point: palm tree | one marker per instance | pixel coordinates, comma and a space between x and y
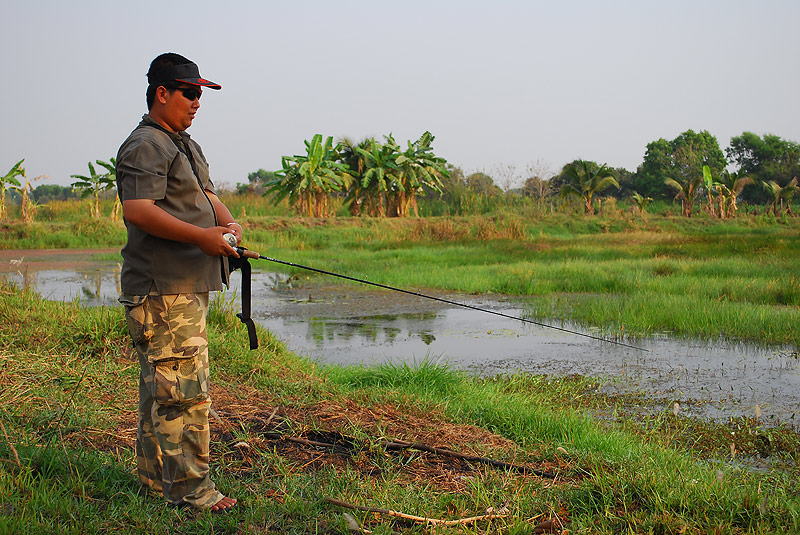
417, 169
93, 185
779, 194
688, 191
585, 179
309, 179
10, 180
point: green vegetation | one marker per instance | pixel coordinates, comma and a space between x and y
67, 409
619, 272
309, 180
629, 276
585, 179
9, 180
377, 179
95, 184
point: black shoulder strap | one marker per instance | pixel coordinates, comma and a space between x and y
243, 264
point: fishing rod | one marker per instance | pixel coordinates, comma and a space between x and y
256, 256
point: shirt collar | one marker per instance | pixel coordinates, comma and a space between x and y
180, 136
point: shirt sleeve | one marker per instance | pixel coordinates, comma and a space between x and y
142, 171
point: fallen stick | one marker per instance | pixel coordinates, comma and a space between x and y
502, 513
308, 442
402, 444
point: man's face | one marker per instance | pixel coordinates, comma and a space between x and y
179, 111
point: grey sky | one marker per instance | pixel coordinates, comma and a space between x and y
501, 82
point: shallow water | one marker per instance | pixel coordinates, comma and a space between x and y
349, 324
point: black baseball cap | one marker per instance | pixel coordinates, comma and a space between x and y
187, 73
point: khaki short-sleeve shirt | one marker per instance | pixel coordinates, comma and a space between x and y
151, 166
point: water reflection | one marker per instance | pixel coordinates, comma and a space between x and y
89, 286
375, 330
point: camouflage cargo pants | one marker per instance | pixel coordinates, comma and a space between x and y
172, 442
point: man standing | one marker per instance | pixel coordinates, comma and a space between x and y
175, 256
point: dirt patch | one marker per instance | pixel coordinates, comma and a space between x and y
321, 435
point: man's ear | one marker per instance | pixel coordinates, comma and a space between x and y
161, 94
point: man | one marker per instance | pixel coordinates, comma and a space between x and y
175, 256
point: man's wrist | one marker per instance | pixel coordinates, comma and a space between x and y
233, 223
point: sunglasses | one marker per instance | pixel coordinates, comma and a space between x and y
190, 93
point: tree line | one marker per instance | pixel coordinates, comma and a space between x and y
384, 179
380, 179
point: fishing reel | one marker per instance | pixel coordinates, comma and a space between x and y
231, 239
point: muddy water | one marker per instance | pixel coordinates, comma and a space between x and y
347, 324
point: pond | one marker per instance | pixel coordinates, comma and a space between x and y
331, 322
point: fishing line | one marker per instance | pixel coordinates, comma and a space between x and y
252, 254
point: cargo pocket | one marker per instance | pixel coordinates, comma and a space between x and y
178, 378
139, 318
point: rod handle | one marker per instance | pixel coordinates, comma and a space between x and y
247, 253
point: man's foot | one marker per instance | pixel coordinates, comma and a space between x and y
224, 505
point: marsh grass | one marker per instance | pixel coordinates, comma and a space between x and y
696, 277
699, 278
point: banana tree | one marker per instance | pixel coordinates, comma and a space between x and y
356, 164
711, 190
418, 169
93, 185
730, 187
585, 179
111, 172
779, 194
687, 191
380, 174
641, 202
9, 180
309, 179
27, 205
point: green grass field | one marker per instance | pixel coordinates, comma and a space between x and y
623, 465
68, 401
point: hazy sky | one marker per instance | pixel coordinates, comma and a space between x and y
497, 83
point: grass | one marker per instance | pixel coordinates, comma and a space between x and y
67, 405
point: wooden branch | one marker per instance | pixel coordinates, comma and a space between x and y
402, 444
314, 443
492, 514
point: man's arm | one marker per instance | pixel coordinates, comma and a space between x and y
224, 217
150, 218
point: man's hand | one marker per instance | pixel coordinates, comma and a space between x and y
212, 243
235, 229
